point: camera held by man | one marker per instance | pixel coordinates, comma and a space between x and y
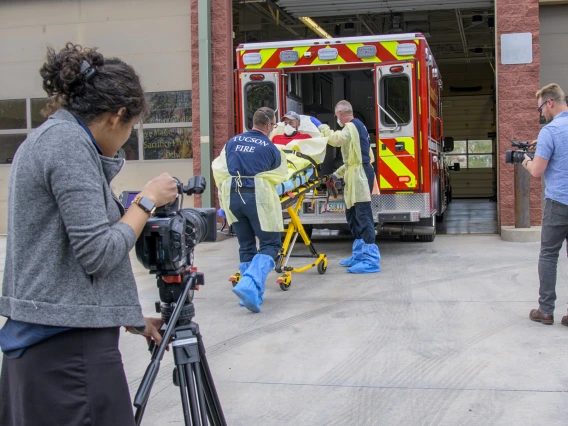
517, 156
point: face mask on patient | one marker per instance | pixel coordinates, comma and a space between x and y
289, 130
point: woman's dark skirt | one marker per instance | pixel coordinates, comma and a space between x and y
75, 378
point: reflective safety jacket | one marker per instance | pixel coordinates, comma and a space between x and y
356, 183
267, 200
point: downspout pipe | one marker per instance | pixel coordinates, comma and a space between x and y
205, 100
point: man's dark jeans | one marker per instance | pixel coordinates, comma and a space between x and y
360, 216
554, 232
248, 229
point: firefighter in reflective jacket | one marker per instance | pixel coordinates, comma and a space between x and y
246, 173
359, 177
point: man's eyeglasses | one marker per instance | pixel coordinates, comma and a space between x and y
274, 125
539, 109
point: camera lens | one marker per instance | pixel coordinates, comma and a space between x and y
196, 226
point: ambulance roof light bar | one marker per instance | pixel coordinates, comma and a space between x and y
310, 23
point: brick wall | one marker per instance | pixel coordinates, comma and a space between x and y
516, 111
221, 79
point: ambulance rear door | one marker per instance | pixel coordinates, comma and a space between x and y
259, 89
397, 118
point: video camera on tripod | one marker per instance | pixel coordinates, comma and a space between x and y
165, 247
517, 156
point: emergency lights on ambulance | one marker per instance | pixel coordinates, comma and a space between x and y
406, 49
308, 54
289, 56
366, 51
327, 54
396, 69
252, 58
435, 73
257, 77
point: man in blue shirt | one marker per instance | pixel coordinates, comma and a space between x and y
248, 156
551, 160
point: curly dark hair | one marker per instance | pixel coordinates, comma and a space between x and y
114, 85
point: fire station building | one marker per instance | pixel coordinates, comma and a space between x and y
492, 55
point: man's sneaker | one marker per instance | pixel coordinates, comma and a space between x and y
564, 321
538, 316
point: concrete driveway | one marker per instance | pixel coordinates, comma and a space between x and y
440, 337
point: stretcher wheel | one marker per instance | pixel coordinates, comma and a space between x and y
285, 281
234, 279
321, 268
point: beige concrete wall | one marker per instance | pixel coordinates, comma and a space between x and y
554, 45
153, 36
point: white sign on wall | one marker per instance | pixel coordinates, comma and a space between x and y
516, 48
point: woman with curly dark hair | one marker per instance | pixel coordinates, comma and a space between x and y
68, 282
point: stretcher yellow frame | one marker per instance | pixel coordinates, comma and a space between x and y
293, 202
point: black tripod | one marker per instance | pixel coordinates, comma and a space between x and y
198, 395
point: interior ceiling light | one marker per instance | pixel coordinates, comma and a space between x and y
310, 23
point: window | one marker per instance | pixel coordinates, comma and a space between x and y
13, 127
258, 95
166, 134
395, 99
129, 150
472, 154
167, 144
8, 146
37, 105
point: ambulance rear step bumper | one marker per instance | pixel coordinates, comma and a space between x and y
395, 229
399, 216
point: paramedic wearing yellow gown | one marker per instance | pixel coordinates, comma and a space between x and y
359, 177
246, 173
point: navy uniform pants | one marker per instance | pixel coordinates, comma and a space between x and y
248, 228
360, 216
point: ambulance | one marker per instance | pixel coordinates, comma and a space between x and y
394, 85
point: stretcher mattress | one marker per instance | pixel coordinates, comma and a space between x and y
295, 181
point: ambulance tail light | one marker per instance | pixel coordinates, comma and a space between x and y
404, 179
396, 69
257, 77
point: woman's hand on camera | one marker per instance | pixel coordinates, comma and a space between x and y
161, 190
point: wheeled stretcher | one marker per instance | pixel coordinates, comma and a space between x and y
305, 181
292, 192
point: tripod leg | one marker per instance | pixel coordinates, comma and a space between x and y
192, 395
199, 387
213, 404
181, 372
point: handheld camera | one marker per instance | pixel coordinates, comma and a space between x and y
517, 156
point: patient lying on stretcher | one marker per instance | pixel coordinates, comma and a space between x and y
300, 169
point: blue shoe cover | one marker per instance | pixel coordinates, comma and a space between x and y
243, 266
369, 261
241, 303
356, 254
250, 288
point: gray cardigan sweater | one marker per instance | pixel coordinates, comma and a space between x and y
67, 261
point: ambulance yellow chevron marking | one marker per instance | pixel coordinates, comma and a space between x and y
265, 54
301, 51
384, 183
353, 47
398, 167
